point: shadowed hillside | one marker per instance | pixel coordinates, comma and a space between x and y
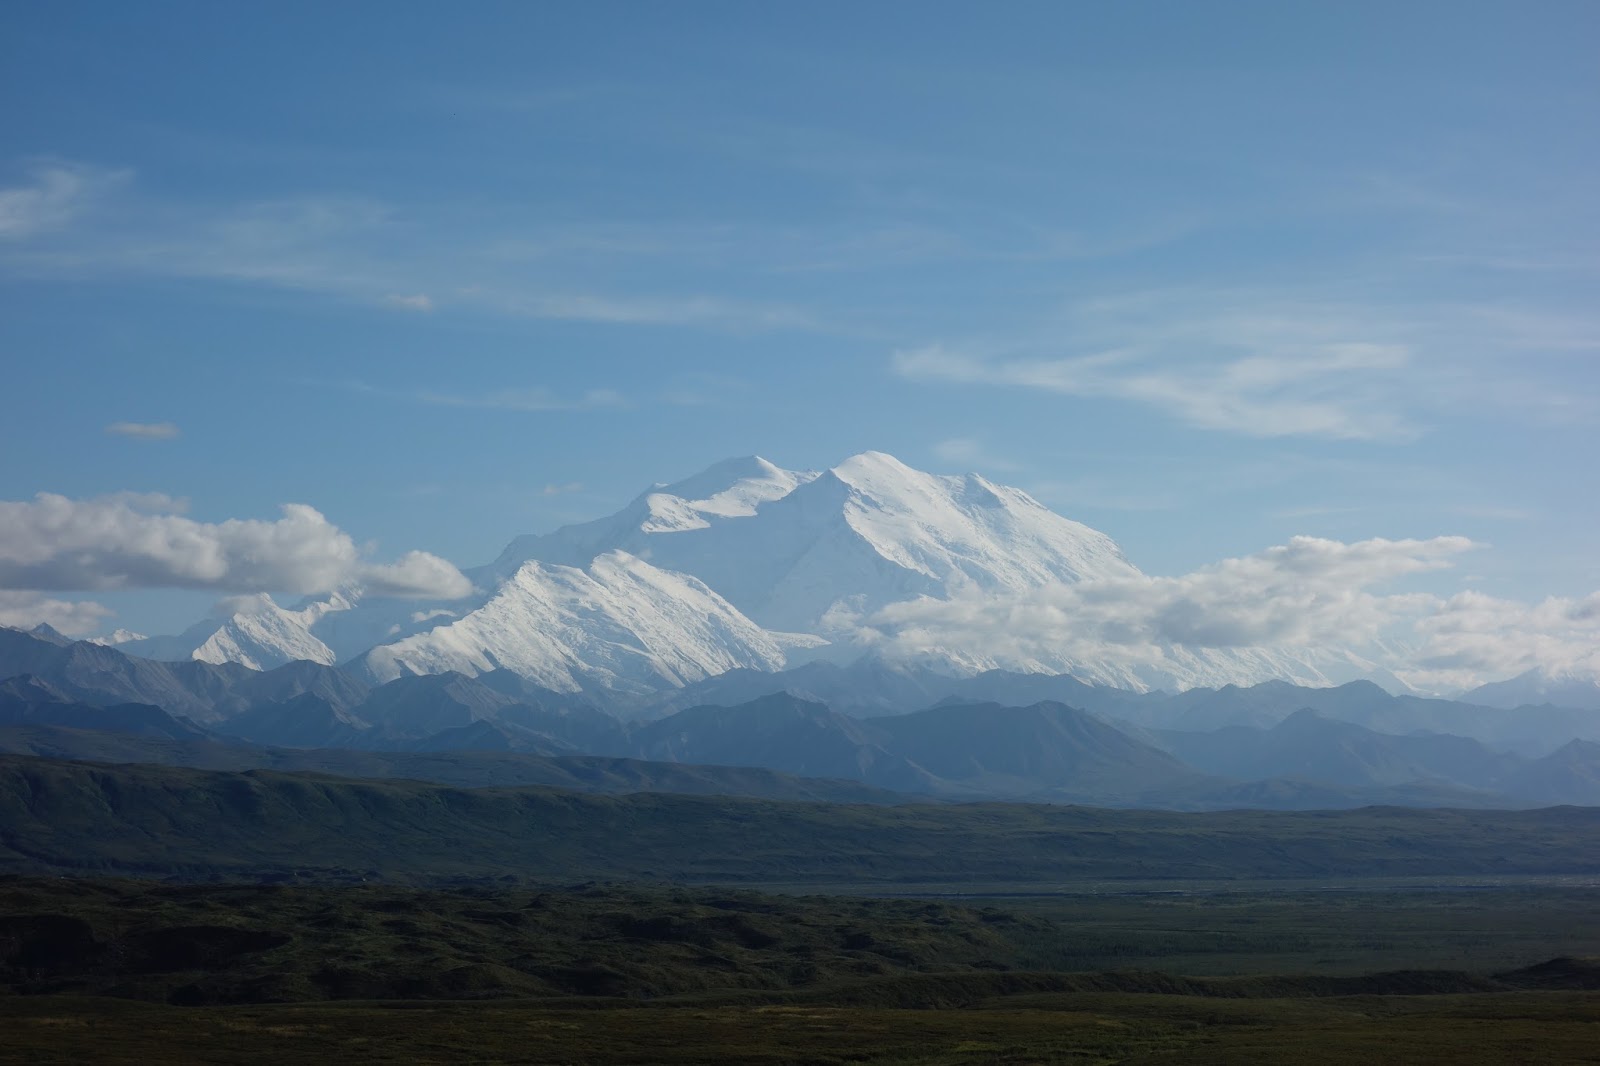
464, 769
76, 817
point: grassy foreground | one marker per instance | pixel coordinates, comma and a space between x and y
1090, 1028
233, 944
128, 971
208, 944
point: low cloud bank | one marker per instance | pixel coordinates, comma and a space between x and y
1307, 596
24, 610
1470, 634
144, 541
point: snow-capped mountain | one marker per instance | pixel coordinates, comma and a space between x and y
254, 632
734, 488
795, 551
621, 624
259, 633
1166, 666
117, 637
747, 565
1576, 687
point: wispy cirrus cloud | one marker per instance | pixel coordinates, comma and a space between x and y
532, 398
689, 310
417, 301
1495, 512
1314, 392
1279, 364
144, 430
349, 248
55, 194
698, 390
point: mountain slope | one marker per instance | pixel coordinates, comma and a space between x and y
1533, 731
1309, 746
1571, 688
787, 549
869, 687
206, 692
1570, 774
621, 625
733, 488
160, 821
26, 701
863, 689
462, 769
303, 721
1044, 750
260, 635
784, 733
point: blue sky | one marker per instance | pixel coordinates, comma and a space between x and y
1204, 277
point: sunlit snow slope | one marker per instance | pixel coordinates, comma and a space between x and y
621, 624
869, 532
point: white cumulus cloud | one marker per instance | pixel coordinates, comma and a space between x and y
128, 541
1472, 635
1308, 593
24, 610
416, 574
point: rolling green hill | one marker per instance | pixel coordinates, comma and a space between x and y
255, 943
462, 769
63, 817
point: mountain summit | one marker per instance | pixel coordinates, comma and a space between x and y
795, 550
733, 488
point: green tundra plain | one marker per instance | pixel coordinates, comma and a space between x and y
163, 914
127, 971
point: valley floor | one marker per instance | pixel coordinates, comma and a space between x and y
117, 971
1509, 1028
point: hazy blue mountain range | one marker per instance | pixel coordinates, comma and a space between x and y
65, 817
1196, 750
1539, 687
869, 689
471, 769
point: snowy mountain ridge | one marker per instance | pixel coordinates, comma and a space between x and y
258, 634
792, 549
620, 624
